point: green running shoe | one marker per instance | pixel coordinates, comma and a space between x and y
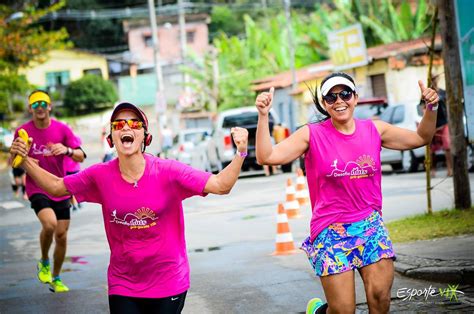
44, 273
313, 305
57, 286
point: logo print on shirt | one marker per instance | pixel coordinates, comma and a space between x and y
42, 150
143, 218
363, 167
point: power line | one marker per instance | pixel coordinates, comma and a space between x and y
171, 9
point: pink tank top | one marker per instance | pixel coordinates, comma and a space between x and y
343, 173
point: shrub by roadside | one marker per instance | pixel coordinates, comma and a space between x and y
439, 224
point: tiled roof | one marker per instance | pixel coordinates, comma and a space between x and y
323, 68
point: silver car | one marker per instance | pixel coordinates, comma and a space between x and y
186, 146
407, 115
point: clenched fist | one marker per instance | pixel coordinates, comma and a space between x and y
240, 137
264, 102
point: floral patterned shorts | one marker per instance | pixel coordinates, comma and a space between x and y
346, 246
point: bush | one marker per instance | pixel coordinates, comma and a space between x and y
89, 94
18, 105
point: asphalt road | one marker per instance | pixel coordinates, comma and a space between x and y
229, 238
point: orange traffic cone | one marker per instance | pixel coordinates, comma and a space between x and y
302, 194
284, 240
291, 206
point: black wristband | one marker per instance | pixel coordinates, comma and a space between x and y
70, 152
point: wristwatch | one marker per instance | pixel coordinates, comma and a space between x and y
69, 152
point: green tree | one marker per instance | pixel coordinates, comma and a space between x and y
88, 94
22, 41
264, 48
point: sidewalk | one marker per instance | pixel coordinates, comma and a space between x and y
447, 260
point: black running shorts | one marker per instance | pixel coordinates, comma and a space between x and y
62, 209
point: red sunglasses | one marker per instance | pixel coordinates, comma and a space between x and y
120, 124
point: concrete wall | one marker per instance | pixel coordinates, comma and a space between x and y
169, 44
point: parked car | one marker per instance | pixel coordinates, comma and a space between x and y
6, 139
221, 149
370, 108
185, 147
407, 115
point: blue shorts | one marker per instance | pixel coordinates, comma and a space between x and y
347, 246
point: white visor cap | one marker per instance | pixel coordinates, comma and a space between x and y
334, 81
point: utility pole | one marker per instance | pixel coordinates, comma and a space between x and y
156, 47
454, 95
291, 47
183, 41
215, 81
160, 102
429, 82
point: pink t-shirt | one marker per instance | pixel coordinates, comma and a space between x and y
56, 132
343, 173
144, 225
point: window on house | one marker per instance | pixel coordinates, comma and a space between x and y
56, 79
190, 37
379, 89
148, 40
97, 72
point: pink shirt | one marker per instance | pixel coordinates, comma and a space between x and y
144, 225
56, 132
343, 173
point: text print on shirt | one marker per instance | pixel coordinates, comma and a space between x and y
143, 218
42, 150
363, 167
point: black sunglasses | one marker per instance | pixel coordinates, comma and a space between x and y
331, 98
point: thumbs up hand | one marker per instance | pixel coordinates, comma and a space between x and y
429, 95
264, 102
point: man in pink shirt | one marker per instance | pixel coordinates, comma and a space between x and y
141, 197
53, 141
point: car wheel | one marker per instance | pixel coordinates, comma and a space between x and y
409, 161
218, 167
397, 167
287, 168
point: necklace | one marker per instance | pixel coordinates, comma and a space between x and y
135, 180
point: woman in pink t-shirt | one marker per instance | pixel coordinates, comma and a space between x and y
342, 159
141, 197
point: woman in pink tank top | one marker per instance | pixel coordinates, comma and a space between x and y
342, 159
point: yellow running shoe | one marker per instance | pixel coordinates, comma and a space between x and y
57, 286
44, 273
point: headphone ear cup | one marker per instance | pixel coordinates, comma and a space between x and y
109, 140
148, 138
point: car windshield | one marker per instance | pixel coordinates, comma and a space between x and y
367, 111
245, 118
194, 137
386, 115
